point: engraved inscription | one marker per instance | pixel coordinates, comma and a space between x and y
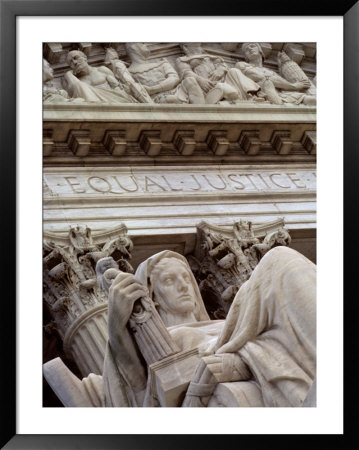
162, 181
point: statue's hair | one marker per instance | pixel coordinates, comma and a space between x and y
245, 45
131, 47
162, 264
111, 51
71, 52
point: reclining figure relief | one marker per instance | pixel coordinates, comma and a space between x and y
275, 88
160, 79
93, 84
196, 76
164, 351
219, 82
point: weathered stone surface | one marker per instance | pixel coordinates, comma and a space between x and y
273, 316
161, 136
191, 74
224, 259
291, 87
77, 305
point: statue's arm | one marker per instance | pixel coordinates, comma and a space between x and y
220, 71
250, 71
171, 81
278, 82
69, 82
282, 83
110, 77
124, 291
214, 369
186, 71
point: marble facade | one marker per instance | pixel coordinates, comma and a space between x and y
142, 144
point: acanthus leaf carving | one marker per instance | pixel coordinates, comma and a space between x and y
224, 259
70, 282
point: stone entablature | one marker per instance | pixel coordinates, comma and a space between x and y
117, 134
163, 201
144, 181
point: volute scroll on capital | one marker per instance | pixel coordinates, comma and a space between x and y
70, 283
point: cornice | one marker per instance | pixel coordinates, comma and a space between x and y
93, 135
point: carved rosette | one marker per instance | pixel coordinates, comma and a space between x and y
77, 305
224, 259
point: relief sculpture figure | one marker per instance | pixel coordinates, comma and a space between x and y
262, 354
274, 87
50, 93
160, 79
93, 84
217, 80
120, 70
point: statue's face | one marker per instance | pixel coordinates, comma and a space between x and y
252, 51
139, 49
48, 71
77, 61
173, 289
111, 54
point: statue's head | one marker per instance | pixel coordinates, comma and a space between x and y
110, 55
173, 290
282, 58
137, 50
172, 286
252, 50
47, 71
192, 48
77, 60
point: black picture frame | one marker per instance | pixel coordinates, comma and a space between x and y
9, 10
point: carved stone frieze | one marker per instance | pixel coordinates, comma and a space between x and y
183, 73
224, 259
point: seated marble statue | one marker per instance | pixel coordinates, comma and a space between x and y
217, 80
263, 354
160, 79
274, 87
93, 84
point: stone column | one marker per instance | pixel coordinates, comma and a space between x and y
86, 340
76, 303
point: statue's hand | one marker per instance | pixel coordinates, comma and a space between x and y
207, 349
205, 85
226, 367
302, 85
152, 90
123, 293
218, 74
